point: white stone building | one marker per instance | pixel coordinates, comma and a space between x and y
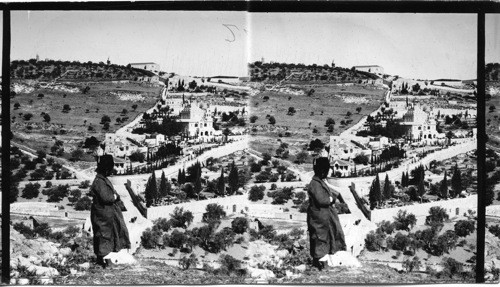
345, 149
342, 167
121, 147
421, 126
198, 123
148, 66
374, 69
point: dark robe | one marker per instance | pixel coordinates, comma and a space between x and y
325, 232
110, 231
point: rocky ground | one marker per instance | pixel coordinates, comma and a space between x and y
39, 261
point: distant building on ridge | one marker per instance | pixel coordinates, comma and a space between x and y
374, 69
148, 66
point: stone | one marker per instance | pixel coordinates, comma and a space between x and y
85, 265
341, 258
282, 253
45, 281
23, 281
23, 261
301, 268
121, 257
43, 271
65, 251
261, 273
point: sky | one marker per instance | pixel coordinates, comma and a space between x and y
188, 43
492, 38
425, 46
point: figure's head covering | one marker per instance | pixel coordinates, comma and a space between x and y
321, 164
105, 164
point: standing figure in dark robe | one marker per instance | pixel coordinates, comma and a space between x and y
325, 232
108, 225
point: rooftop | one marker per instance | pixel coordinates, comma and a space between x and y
145, 63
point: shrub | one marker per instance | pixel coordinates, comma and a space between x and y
495, 230
161, 224
273, 186
181, 218
303, 207
150, 238
386, 227
445, 243
26, 231
296, 233
43, 230
31, 191
464, 227
137, 156
239, 225
27, 116
83, 203
84, 184
256, 193
374, 241
361, 159
214, 213
75, 195
177, 239
301, 196
404, 220
255, 167
186, 262
229, 264
436, 215
48, 184
413, 264
221, 240
451, 267
267, 232
401, 241
57, 193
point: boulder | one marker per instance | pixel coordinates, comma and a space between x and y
282, 253
261, 273
85, 265
341, 258
300, 268
43, 271
121, 257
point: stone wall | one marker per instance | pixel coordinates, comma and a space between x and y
233, 205
454, 207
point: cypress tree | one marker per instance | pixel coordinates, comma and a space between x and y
403, 179
456, 182
387, 188
163, 185
421, 187
375, 195
182, 179
197, 181
179, 176
151, 192
233, 179
220, 183
443, 189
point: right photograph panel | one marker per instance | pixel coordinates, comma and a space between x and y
492, 77
363, 131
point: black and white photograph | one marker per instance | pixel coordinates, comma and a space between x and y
242, 147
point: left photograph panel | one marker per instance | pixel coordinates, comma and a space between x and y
129, 147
